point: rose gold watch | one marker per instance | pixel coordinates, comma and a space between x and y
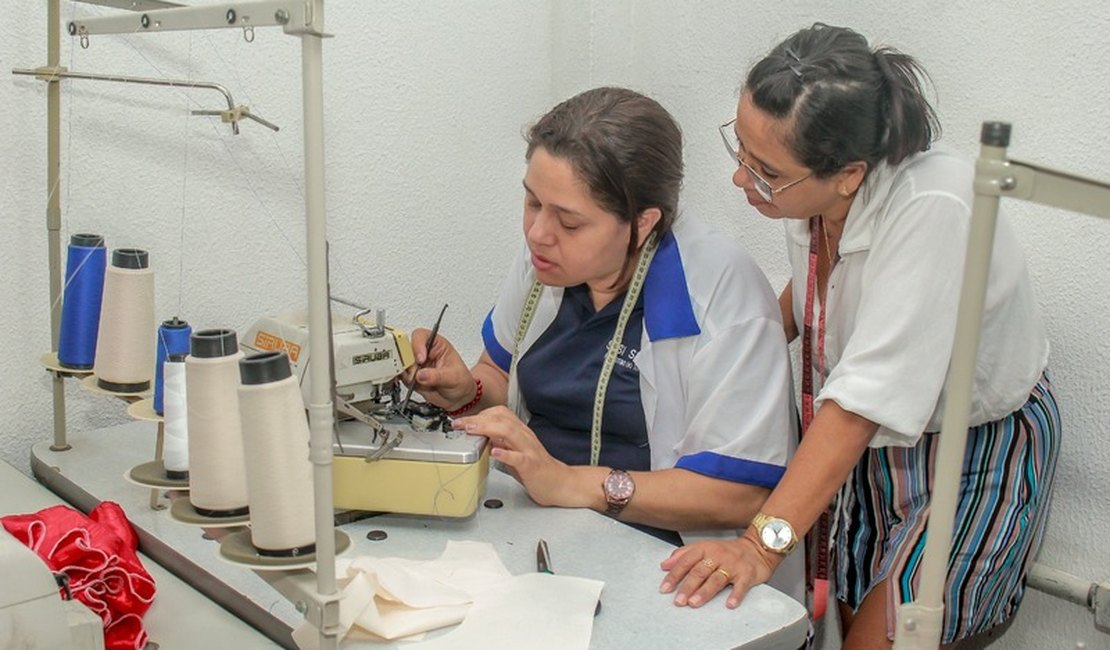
618, 487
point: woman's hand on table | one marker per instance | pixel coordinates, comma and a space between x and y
701, 570
544, 477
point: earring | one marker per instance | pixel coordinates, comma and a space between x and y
844, 192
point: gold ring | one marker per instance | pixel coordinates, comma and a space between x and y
726, 574
709, 564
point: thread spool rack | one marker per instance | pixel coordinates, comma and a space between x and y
140, 406
304, 21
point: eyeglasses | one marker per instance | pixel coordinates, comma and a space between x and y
761, 185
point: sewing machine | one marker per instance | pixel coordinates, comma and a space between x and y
32, 615
385, 460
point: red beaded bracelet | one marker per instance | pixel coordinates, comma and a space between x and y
471, 404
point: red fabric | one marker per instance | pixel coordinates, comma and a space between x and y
98, 554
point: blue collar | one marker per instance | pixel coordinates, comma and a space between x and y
668, 312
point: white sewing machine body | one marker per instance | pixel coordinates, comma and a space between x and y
369, 357
32, 613
384, 460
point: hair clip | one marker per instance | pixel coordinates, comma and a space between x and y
794, 67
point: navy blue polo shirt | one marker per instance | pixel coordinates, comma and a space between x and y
558, 378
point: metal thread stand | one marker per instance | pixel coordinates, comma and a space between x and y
52, 74
919, 622
233, 114
306, 20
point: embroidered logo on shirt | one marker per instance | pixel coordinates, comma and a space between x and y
626, 356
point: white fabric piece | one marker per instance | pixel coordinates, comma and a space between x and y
537, 611
394, 598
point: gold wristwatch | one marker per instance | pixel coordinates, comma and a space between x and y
774, 534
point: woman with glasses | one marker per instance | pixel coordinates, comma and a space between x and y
634, 360
834, 138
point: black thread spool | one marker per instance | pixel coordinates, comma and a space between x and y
217, 482
275, 441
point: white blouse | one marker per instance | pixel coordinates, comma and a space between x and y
893, 296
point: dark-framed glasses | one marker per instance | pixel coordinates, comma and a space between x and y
761, 185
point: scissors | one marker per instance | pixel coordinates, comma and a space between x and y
543, 565
543, 558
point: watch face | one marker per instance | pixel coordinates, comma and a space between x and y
776, 534
619, 486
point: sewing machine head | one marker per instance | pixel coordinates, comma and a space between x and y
369, 357
384, 459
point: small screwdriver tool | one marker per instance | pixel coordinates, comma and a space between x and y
428, 348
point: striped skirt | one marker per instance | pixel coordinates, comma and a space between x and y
1006, 484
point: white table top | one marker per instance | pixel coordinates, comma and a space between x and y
582, 543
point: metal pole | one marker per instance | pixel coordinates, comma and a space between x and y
1055, 582
232, 114
54, 212
919, 623
177, 83
321, 420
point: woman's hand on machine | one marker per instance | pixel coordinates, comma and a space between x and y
441, 375
544, 477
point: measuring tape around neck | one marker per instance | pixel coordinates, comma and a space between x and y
647, 252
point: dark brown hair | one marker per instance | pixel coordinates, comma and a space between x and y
624, 146
846, 101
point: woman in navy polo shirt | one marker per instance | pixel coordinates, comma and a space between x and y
634, 362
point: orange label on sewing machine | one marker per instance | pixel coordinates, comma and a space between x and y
264, 341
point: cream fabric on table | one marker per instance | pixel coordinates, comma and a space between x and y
535, 610
396, 598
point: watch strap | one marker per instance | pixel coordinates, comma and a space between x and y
761, 520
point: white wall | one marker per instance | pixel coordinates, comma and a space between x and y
424, 112
425, 105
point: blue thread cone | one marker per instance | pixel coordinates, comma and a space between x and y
173, 338
86, 263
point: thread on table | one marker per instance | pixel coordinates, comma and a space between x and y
175, 449
86, 263
124, 345
173, 338
217, 481
276, 443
